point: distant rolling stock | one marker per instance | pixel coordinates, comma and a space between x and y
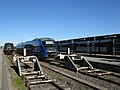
104, 45
8, 48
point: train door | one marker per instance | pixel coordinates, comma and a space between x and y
117, 46
90, 48
73, 47
109, 46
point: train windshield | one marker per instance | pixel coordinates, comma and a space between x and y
49, 42
50, 45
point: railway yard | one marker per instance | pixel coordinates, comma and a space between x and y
60, 45
73, 72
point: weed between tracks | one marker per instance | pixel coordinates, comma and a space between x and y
17, 82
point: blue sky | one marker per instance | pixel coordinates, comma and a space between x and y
22, 20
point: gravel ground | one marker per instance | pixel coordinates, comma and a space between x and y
43, 87
66, 81
99, 82
74, 85
16, 81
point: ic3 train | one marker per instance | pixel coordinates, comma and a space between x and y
40, 47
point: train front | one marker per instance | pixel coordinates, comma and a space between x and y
51, 48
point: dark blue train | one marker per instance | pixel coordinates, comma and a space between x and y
40, 47
106, 45
8, 48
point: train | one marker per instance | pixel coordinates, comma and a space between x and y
8, 48
43, 48
108, 45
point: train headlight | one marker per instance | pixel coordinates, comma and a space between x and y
34, 60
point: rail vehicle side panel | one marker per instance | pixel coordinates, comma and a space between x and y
108, 45
39, 48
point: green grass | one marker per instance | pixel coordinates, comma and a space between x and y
18, 82
110, 78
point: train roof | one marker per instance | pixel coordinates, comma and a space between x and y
44, 39
9, 44
92, 38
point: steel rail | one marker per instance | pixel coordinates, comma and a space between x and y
102, 78
33, 83
92, 85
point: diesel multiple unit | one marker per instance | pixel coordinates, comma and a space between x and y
40, 47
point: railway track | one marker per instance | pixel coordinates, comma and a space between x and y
90, 86
111, 78
88, 69
35, 82
35, 79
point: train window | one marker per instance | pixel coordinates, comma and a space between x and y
9, 46
106, 40
83, 45
118, 45
49, 42
102, 45
29, 47
65, 45
77, 45
36, 43
90, 44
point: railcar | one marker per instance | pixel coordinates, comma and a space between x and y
101, 45
40, 47
8, 48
